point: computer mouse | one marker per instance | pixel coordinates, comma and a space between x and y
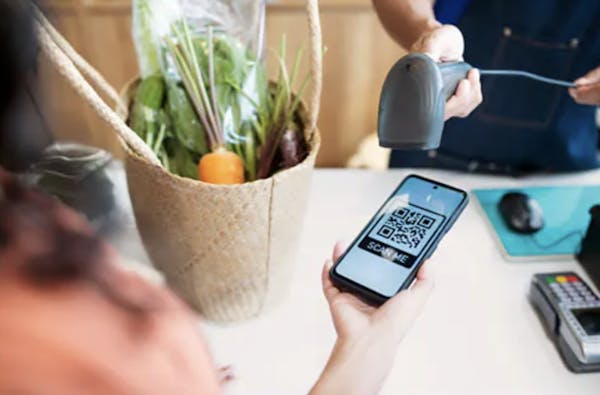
521, 213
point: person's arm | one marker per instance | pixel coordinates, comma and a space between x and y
406, 20
367, 336
413, 25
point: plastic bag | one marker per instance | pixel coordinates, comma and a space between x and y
242, 19
151, 19
235, 28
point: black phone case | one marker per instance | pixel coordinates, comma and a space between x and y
371, 297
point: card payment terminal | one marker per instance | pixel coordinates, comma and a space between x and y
570, 312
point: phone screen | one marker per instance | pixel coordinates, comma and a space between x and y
394, 242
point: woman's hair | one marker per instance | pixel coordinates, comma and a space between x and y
50, 244
23, 134
18, 48
42, 238
47, 241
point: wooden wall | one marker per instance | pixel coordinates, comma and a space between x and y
359, 53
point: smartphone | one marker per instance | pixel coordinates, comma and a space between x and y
405, 231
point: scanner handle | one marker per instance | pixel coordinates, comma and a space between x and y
452, 74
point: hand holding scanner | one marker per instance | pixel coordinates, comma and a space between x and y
413, 99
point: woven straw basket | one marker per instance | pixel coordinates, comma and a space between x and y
228, 250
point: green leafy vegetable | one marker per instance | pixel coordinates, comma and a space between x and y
216, 96
283, 105
181, 160
146, 48
186, 126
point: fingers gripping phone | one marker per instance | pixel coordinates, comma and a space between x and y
405, 231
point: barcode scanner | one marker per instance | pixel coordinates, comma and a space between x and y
414, 95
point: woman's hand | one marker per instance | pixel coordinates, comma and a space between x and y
353, 318
367, 336
588, 88
445, 43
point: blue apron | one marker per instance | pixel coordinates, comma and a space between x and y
522, 125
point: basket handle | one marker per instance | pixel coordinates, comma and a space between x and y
82, 65
71, 65
316, 64
67, 67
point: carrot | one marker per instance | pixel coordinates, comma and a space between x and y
221, 167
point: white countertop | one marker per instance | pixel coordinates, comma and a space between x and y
478, 334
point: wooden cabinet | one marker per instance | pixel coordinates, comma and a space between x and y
358, 55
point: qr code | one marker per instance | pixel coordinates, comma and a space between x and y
406, 227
